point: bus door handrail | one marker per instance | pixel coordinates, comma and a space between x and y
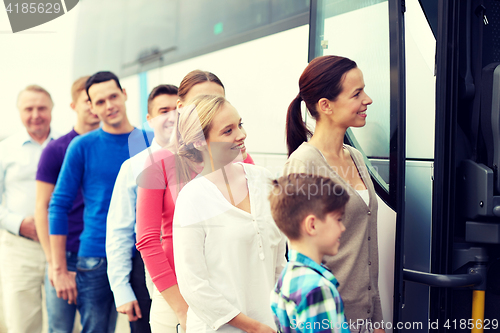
443, 280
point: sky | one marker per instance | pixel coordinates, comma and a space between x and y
41, 55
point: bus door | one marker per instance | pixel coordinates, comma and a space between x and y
466, 203
371, 33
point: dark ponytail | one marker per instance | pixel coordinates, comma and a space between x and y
296, 130
322, 78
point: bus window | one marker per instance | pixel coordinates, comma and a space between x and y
359, 30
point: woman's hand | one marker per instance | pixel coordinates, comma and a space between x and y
249, 325
378, 330
182, 316
174, 298
262, 328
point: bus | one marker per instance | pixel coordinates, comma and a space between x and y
432, 133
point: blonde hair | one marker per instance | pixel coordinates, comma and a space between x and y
35, 88
193, 125
77, 87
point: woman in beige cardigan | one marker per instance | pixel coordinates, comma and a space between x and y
332, 88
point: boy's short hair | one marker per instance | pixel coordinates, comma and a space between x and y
77, 87
162, 89
298, 195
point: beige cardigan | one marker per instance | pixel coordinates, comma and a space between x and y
356, 264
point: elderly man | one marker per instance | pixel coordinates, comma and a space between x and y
22, 260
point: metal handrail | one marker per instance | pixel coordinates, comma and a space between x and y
443, 280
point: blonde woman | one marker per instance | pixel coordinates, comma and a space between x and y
155, 209
227, 249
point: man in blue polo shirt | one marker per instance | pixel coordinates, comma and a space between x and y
92, 162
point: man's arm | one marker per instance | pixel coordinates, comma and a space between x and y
65, 192
43, 193
120, 241
8, 220
64, 281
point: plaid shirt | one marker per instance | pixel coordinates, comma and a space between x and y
305, 298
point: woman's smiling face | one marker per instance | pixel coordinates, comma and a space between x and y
349, 108
226, 138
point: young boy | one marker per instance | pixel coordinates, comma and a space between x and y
308, 210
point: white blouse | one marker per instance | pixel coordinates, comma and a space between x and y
226, 260
364, 195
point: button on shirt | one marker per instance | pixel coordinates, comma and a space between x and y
306, 299
19, 156
226, 260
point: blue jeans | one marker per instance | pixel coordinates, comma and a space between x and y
95, 300
61, 315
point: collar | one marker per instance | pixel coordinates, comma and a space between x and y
155, 145
303, 260
24, 137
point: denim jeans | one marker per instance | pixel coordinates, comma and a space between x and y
95, 300
61, 315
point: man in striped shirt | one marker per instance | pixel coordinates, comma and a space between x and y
308, 210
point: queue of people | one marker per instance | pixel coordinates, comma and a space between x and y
178, 229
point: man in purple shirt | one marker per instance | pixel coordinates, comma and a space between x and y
61, 313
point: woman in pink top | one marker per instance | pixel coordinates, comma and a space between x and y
156, 194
